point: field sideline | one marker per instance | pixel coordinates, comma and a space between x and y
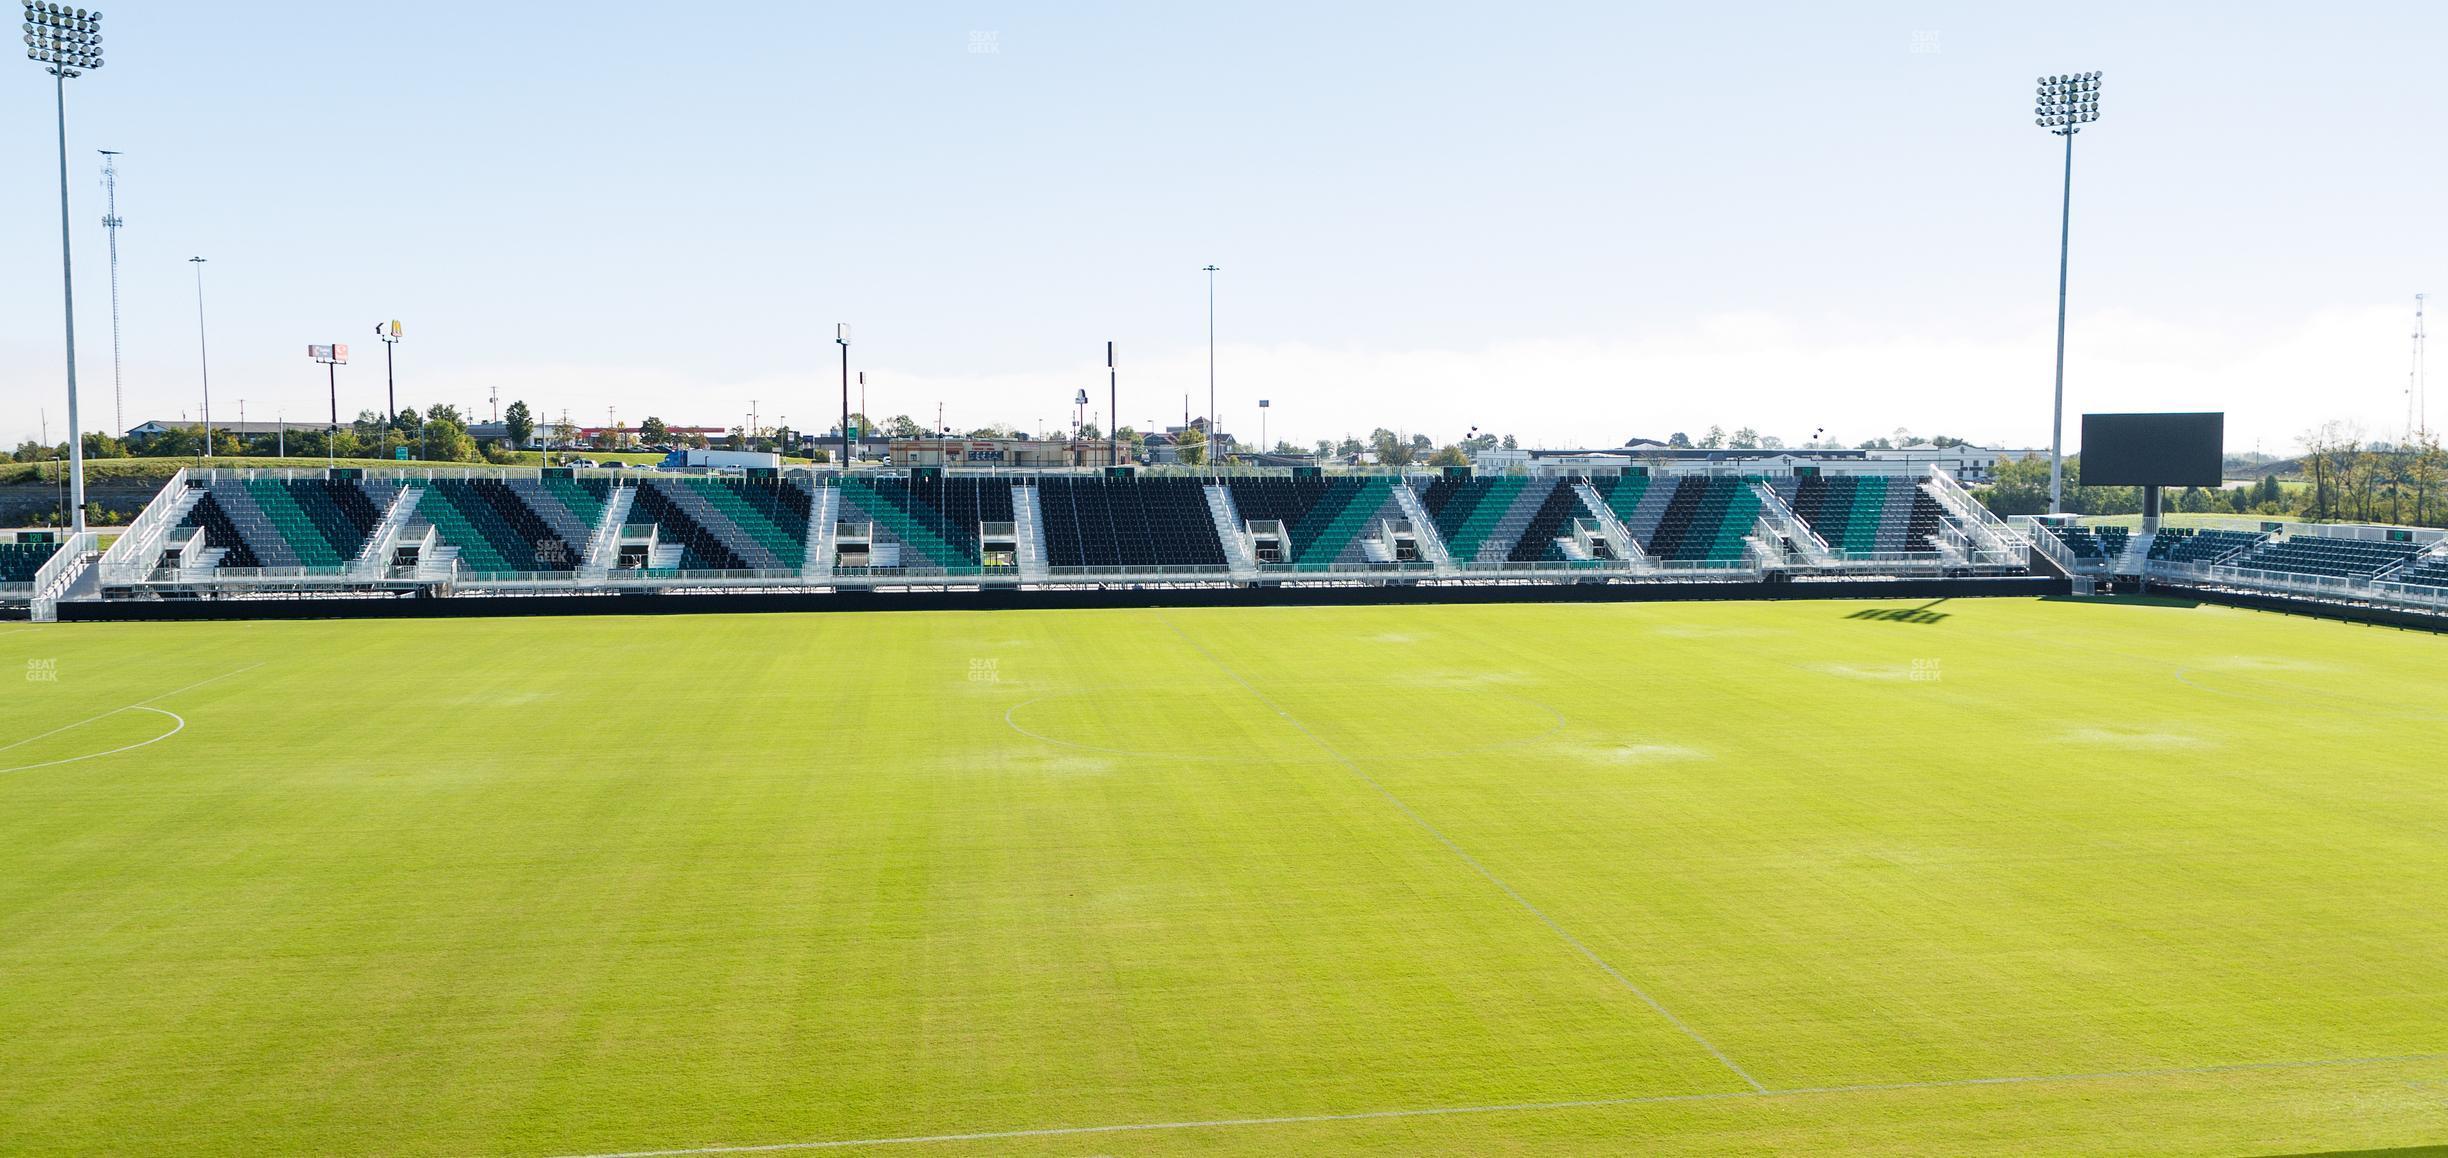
2001, 876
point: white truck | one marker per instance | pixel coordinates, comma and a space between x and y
713, 459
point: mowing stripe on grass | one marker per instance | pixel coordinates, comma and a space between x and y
1519, 1107
1579, 945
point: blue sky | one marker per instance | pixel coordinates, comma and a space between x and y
1576, 223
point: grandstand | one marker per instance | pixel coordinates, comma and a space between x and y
283, 534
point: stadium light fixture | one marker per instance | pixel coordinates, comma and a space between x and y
66, 42
2063, 105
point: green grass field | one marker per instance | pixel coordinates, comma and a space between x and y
2006, 877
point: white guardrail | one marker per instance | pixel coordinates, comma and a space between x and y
58, 572
123, 562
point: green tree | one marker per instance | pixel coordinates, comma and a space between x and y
1191, 447
1714, 439
1746, 438
1449, 456
904, 426
520, 423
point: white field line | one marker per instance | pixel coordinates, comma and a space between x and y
1578, 945
1518, 1107
140, 705
175, 729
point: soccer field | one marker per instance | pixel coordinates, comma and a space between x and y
2001, 876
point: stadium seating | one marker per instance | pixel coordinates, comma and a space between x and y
572, 507
701, 549
2188, 545
220, 531
1537, 542
2102, 543
1128, 522
762, 523
1486, 519
1323, 517
318, 523
934, 519
493, 529
1869, 513
1707, 520
19, 561
2428, 571
2327, 557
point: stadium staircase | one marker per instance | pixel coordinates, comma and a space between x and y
1239, 560
1028, 532
1780, 524
603, 542
1991, 541
68, 570
138, 551
2136, 556
1619, 537
1425, 537
824, 507
375, 557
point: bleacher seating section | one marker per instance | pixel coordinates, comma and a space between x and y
1128, 522
2105, 542
1707, 520
315, 523
758, 524
1323, 516
220, 532
495, 531
1867, 513
934, 519
1488, 518
1538, 542
2428, 571
2190, 545
19, 561
2323, 556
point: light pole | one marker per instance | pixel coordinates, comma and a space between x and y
2063, 105
1113, 412
203, 358
110, 225
67, 42
841, 334
390, 335
332, 357
1212, 425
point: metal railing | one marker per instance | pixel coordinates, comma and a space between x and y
130, 558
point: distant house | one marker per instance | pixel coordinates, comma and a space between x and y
156, 427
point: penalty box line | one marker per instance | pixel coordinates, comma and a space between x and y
1519, 1107
1484, 872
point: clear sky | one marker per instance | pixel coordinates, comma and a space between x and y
1573, 223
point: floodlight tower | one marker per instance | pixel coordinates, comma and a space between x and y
2063, 105
110, 225
1210, 270
67, 42
2418, 410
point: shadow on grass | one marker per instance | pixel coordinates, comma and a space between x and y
1921, 614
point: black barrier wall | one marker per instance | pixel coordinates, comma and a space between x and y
998, 599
